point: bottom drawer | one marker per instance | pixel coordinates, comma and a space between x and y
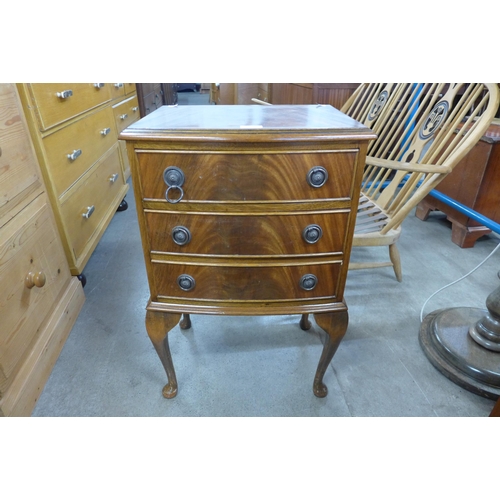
28, 244
86, 206
245, 283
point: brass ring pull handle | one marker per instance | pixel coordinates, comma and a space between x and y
170, 200
174, 179
186, 282
35, 279
181, 235
312, 233
317, 176
308, 282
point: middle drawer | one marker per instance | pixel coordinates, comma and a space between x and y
221, 234
74, 149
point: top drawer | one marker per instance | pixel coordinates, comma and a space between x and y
250, 177
126, 112
58, 102
117, 90
129, 88
121, 89
19, 175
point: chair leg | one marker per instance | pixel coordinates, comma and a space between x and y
396, 261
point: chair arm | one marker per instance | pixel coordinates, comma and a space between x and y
408, 167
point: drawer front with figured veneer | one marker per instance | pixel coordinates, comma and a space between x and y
266, 234
243, 281
249, 177
72, 150
57, 102
33, 272
85, 207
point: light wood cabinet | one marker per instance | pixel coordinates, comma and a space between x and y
75, 129
39, 299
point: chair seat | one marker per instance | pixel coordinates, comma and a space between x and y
370, 220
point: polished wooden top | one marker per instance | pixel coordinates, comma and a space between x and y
247, 120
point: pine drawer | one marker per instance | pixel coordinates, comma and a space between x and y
72, 150
88, 203
57, 102
19, 175
30, 244
126, 113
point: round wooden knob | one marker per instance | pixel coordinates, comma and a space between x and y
35, 279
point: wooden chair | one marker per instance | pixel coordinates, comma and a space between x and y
423, 131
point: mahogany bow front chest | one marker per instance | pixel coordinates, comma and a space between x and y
246, 210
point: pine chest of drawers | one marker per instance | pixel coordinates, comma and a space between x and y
246, 210
75, 129
39, 299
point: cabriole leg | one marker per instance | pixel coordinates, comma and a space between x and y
335, 325
305, 324
185, 322
158, 324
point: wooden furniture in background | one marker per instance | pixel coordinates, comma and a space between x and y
153, 95
246, 210
239, 93
39, 299
75, 129
475, 183
423, 130
335, 94
496, 409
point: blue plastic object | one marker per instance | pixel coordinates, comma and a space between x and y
485, 221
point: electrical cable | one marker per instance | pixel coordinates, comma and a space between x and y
456, 281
